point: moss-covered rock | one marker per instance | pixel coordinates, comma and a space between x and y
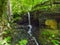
49, 37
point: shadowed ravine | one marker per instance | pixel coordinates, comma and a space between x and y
30, 25
30, 28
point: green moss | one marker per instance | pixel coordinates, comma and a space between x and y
49, 36
23, 42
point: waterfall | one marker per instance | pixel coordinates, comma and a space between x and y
29, 25
29, 18
30, 28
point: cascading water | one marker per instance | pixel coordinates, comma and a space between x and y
30, 28
29, 25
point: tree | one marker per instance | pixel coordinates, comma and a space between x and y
26, 5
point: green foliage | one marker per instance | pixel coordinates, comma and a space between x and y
5, 41
21, 6
3, 6
49, 37
16, 17
6, 32
55, 42
8, 39
26, 5
23, 42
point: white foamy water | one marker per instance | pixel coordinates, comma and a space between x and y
30, 28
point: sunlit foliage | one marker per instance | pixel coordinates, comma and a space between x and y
23, 42
51, 23
26, 5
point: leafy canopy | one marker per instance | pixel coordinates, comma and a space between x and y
24, 5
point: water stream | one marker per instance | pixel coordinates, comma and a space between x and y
30, 28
